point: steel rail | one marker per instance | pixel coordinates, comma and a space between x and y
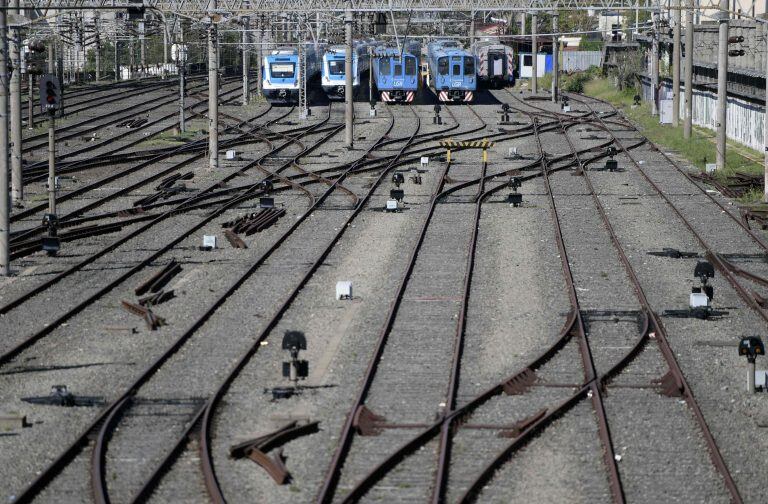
50, 472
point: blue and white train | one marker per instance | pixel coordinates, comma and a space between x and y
452, 71
396, 72
332, 76
280, 73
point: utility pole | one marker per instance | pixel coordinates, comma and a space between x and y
5, 206
349, 110
302, 69
259, 54
98, 45
17, 184
181, 61
132, 57
765, 130
655, 66
523, 15
555, 58
676, 65
246, 60
30, 101
471, 29
51, 161
117, 60
213, 94
722, 82
534, 54
143, 49
688, 124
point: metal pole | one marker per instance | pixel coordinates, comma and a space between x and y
655, 66
472, 29
370, 76
246, 61
213, 97
181, 59
51, 143
260, 35
143, 49
722, 82
688, 124
17, 184
349, 105
555, 58
117, 61
523, 15
765, 126
676, 66
4, 196
751, 376
30, 101
534, 55
132, 58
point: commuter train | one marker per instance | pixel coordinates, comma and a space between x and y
452, 71
496, 66
280, 73
332, 72
396, 72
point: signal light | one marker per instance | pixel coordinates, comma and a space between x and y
50, 93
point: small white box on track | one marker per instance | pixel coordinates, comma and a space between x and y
699, 300
711, 167
231, 155
209, 241
372, 112
343, 290
424, 160
512, 151
391, 205
566, 108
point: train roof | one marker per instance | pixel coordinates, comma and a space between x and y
382, 51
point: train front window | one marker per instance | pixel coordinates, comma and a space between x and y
336, 67
457, 69
410, 65
384, 66
282, 70
442, 66
469, 65
398, 69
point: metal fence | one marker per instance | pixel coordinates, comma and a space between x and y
745, 120
576, 61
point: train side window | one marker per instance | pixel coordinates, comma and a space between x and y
469, 65
442, 66
384, 66
457, 69
410, 65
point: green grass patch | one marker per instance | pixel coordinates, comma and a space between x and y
698, 150
169, 139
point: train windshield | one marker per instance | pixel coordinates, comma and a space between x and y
442, 66
469, 65
384, 66
282, 70
410, 65
457, 68
336, 67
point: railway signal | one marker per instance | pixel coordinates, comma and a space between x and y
50, 94
750, 347
701, 297
295, 369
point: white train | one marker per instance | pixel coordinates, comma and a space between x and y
332, 76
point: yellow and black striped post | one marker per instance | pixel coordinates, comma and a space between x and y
466, 144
